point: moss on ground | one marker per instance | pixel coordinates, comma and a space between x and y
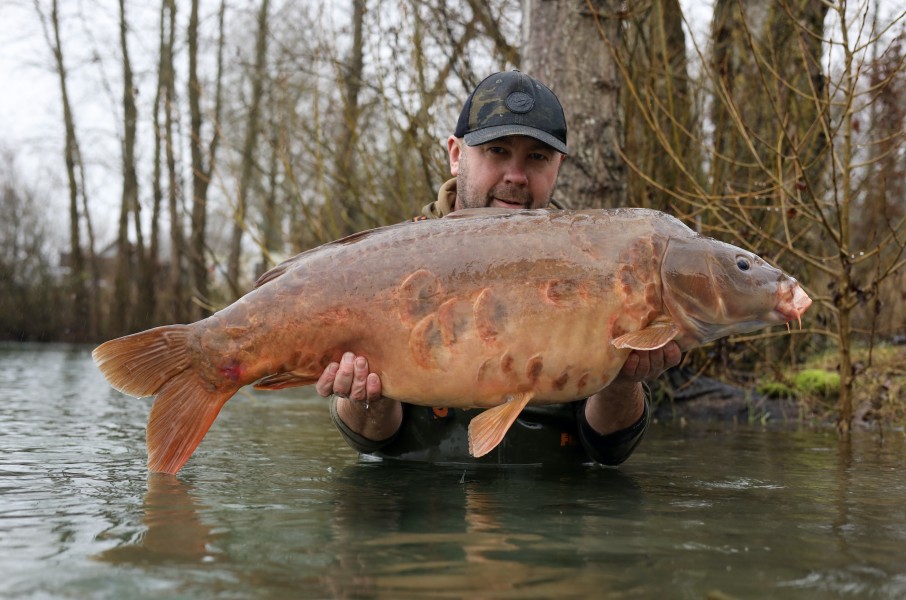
879, 393
818, 382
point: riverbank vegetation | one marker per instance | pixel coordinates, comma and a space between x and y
880, 396
239, 134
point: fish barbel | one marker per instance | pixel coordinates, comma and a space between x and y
484, 308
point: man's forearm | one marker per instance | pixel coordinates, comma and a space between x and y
378, 422
618, 406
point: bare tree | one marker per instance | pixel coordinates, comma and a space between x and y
202, 166
569, 46
165, 45
249, 146
787, 176
30, 302
661, 134
82, 327
124, 280
179, 309
346, 198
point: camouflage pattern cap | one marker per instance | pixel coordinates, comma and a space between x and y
512, 103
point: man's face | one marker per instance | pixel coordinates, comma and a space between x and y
510, 172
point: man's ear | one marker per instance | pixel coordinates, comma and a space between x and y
454, 151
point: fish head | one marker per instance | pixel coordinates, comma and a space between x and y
713, 289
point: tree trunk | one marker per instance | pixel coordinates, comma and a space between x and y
79, 327
270, 218
347, 194
176, 282
569, 47
769, 86
165, 44
123, 281
248, 152
201, 173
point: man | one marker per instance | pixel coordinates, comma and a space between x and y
506, 152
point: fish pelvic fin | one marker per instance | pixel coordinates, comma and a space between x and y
282, 381
184, 410
157, 362
486, 430
655, 336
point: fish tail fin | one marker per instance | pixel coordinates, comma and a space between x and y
157, 362
486, 430
184, 410
141, 363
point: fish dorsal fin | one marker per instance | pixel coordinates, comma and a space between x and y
289, 263
655, 336
275, 272
487, 429
471, 213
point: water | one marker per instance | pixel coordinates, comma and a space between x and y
273, 505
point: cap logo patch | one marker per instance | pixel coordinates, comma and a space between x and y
520, 102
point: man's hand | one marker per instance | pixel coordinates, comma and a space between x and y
622, 403
649, 364
350, 378
360, 404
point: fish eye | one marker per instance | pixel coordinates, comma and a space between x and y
743, 263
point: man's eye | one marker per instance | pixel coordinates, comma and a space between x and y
539, 156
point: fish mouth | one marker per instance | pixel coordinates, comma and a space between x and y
793, 302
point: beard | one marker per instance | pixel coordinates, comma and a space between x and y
469, 196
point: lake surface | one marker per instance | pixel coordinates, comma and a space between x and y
274, 505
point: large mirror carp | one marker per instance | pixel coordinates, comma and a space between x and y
485, 308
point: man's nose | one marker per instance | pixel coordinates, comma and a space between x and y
515, 173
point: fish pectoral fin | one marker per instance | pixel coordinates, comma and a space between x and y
281, 381
487, 429
652, 337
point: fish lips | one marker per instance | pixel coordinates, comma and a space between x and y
792, 302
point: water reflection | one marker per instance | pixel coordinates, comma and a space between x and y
406, 530
395, 530
174, 530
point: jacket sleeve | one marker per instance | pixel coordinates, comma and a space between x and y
613, 448
354, 440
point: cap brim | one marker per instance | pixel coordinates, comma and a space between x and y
488, 134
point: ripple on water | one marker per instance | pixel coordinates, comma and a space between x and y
741, 483
273, 505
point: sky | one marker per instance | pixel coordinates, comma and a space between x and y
31, 121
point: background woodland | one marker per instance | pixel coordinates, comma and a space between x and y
245, 132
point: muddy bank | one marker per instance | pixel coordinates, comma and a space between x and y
680, 395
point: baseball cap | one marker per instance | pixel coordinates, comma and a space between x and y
512, 103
